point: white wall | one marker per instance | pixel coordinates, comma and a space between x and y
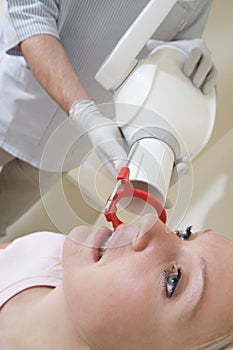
211, 204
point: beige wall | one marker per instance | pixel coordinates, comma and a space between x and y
211, 204
218, 35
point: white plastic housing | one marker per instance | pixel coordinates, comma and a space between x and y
122, 59
157, 84
151, 165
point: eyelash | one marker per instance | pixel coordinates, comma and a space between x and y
169, 290
184, 235
167, 274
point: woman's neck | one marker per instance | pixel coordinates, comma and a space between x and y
37, 319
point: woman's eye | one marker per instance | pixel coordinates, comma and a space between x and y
170, 282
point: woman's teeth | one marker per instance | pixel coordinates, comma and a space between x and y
104, 246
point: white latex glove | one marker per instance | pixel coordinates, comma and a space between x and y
198, 66
103, 133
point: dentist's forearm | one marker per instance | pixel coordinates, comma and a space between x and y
51, 66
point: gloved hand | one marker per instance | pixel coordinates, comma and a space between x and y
103, 133
198, 66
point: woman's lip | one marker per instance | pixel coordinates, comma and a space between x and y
90, 237
101, 236
124, 235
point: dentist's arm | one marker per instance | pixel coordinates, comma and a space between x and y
51, 66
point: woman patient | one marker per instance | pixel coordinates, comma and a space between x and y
152, 290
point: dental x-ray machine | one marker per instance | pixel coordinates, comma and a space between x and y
166, 119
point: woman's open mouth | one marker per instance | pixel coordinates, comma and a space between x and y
105, 244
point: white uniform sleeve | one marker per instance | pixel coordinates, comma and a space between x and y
25, 18
187, 20
196, 23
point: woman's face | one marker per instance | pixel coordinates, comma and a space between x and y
156, 292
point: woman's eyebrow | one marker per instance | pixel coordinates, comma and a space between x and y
207, 230
195, 298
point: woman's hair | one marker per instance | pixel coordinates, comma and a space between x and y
222, 343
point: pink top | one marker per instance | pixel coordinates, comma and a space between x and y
32, 260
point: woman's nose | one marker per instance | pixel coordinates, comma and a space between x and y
157, 230
145, 224
142, 242
149, 225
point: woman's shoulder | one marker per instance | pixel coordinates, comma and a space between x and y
30, 261
35, 239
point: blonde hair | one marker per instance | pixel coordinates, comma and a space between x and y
222, 343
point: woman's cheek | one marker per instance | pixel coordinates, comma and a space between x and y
119, 293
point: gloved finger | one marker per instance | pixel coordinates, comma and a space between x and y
109, 144
192, 61
112, 155
210, 81
202, 71
129, 130
103, 133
